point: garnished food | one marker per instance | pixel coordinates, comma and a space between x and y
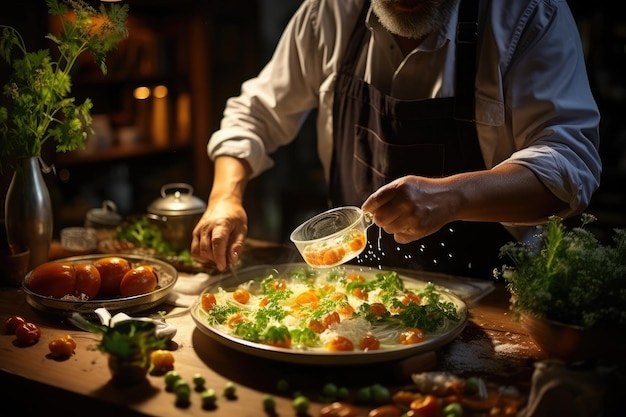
112, 270
53, 279
335, 252
106, 277
138, 280
330, 310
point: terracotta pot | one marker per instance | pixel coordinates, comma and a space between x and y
570, 343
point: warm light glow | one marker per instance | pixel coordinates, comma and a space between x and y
160, 91
141, 93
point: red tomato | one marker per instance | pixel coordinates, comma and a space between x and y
426, 406
27, 333
340, 343
411, 336
53, 279
62, 346
378, 309
11, 323
369, 342
139, 280
208, 301
112, 270
87, 280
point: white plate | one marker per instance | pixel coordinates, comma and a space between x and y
321, 356
166, 278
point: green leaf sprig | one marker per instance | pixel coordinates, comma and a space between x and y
38, 103
568, 275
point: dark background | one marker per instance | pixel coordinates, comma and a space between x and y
207, 48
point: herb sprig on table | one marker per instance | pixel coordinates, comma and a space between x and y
569, 276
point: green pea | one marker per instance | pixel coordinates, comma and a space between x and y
282, 385
170, 379
268, 402
380, 394
229, 389
342, 393
198, 380
453, 410
330, 390
300, 404
364, 394
208, 397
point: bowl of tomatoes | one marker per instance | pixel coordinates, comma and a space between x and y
128, 283
333, 237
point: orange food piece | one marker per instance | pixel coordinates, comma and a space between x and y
357, 243
412, 336
62, 346
138, 280
378, 309
162, 359
208, 301
53, 279
369, 342
87, 280
340, 344
112, 269
241, 295
330, 318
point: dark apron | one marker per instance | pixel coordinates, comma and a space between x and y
377, 139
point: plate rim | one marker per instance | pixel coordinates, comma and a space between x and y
303, 357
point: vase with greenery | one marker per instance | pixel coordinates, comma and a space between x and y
568, 278
37, 107
128, 343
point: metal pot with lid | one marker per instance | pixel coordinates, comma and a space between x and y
176, 213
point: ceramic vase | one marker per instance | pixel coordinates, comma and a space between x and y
28, 211
129, 371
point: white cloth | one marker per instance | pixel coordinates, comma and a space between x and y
188, 288
534, 106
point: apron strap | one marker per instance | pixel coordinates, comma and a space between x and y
466, 39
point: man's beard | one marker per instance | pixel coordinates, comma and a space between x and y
432, 16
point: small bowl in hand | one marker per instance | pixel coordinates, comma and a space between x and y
333, 237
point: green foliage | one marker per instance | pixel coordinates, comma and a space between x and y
569, 276
38, 104
127, 339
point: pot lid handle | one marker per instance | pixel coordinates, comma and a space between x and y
176, 186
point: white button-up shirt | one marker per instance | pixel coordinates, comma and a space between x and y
534, 105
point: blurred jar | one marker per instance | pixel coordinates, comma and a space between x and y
104, 220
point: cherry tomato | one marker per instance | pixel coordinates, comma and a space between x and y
208, 301
11, 323
330, 318
62, 346
139, 280
53, 279
411, 336
27, 333
378, 309
369, 342
340, 344
87, 280
241, 295
162, 360
426, 406
112, 269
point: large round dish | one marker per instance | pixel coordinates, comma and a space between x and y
166, 278
320, 356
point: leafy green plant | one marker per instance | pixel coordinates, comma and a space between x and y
122, 336
39, 107
569, 276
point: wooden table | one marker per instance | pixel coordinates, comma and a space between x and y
492, 346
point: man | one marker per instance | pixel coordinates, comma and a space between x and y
445, 119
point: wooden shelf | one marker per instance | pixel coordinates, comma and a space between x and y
115, 153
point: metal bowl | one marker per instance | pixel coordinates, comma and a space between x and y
166, 278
